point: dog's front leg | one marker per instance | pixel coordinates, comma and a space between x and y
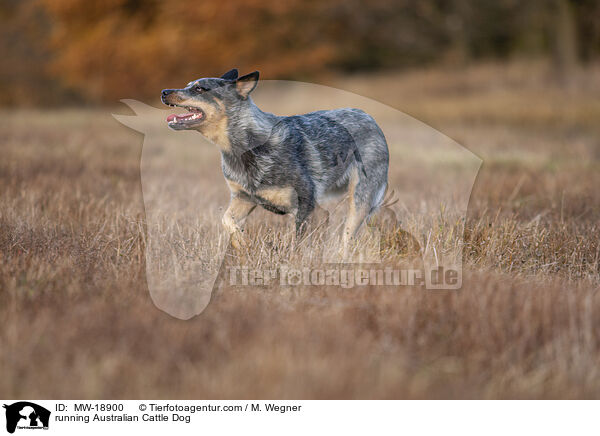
305, 208
234, 218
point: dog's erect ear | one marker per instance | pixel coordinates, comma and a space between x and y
230, 75
246, 84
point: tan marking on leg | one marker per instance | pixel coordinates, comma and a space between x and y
234, 218
354, 220
355, 216
235, 187
284, 197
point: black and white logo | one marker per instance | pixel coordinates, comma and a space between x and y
26, 415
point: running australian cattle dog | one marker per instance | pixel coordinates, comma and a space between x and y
285, 164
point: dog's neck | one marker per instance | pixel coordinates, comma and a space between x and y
249, 127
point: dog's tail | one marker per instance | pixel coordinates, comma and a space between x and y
389, 198
379, 199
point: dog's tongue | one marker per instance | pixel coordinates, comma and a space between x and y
178, 118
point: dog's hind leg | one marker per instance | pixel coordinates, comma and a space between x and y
234, 217
306, 203
356, 216
364, 198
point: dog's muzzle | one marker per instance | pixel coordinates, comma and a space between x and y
165, 93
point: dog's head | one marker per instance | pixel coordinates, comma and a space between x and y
206, 99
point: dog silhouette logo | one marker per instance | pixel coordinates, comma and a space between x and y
26, 415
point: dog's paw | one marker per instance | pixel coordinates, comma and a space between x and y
238, 242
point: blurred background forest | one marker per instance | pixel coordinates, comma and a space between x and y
57, 52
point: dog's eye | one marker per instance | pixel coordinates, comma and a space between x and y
200, 89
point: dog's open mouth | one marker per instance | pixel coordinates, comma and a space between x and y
194, 114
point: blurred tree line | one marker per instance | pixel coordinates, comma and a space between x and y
67, 51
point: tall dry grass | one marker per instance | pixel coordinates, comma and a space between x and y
77, 320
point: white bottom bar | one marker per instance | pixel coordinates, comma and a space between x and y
303, 417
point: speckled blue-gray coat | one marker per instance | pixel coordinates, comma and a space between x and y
286, 164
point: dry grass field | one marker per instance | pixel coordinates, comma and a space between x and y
77, 320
